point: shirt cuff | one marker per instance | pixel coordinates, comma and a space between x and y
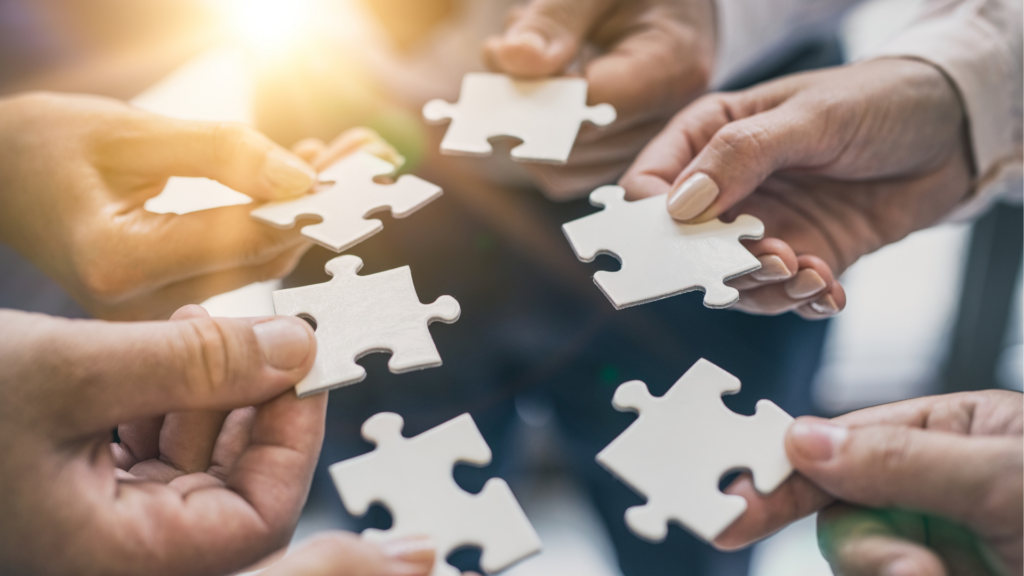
978, 58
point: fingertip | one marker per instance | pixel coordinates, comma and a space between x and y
286, 342
806, 283
286, 174
812, 441
692, 198
526, 53
309, 148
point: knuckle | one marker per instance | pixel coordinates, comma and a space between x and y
102, 282
206, 352
743, 141
229, 139
892, 454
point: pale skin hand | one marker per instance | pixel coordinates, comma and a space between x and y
837, 163
76, 172
959, 457
654, 56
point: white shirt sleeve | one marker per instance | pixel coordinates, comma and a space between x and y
978, 44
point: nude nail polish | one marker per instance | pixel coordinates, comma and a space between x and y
825, 305
817, 439
805, 284
288, 175
692, 197
772, 269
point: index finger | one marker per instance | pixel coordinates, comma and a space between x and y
670, 152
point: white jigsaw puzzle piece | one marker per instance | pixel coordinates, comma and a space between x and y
682, 444
412, 477
358, 315
344, 205
661, 257
545, 114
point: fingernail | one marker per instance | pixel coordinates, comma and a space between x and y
285, 342
825, 305
287, 174
901, 567
805, 284
530, 39
692, 197
410, 549
772, 268
817, 440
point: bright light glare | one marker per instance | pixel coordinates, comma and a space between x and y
268, 24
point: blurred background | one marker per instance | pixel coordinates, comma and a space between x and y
937, 312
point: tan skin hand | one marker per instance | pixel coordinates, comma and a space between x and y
837, 163
167, 499
880, 473
647, 58
76, 172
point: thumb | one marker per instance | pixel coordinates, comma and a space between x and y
739, 157
965, 478
544, 37
234, 154
110, 373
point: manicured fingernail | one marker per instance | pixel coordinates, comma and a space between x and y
285, 342
816, 439
529, 39
692, 197
825, 305
289, 175
410, 549
902, 567
772, 269
805, 284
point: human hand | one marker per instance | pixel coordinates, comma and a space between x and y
653, 57
76, 172
345, 554
951, 466
837, 163
199, 483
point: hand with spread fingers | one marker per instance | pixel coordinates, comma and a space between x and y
927, 487
647, 58
837, 163
76, 172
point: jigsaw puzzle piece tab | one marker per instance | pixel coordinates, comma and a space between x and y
343, 205
681, 445
358, 315
412, 477
661, 257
